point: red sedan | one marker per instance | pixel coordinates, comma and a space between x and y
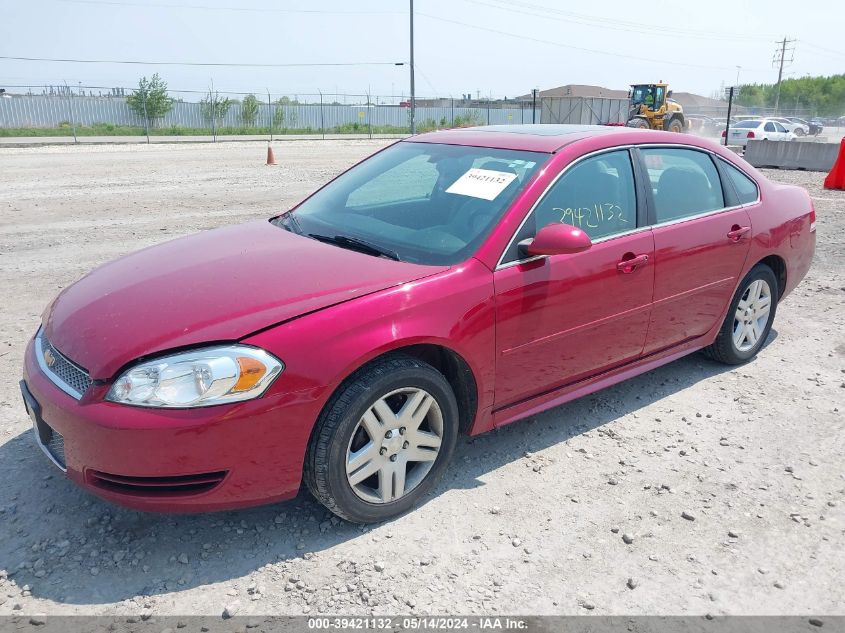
451, 283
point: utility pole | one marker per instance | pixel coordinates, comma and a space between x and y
413, 94
779, 60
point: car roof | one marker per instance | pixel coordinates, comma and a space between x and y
536, 137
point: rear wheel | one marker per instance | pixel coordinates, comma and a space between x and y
799, 131
749, 319
383, 440
676, 125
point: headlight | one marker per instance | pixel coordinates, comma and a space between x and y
198, 378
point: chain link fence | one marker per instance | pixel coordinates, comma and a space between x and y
93, 111
80, 110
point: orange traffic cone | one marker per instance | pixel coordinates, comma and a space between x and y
836, 178
271, 160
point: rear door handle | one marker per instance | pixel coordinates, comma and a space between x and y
630, 264
737, 231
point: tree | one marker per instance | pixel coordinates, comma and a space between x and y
821, 95
214, 108
282, 117
249, 110
150, 99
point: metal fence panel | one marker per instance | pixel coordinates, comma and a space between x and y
63, 107
583, 110
52, 111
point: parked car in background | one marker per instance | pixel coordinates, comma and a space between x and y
452, 283
816, 126
703, 125
721, 124
805, 126
759, 129
799, 129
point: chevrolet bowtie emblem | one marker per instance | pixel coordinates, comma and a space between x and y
49, 358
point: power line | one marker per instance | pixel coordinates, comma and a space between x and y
609, 24
426, 79
221, 64
572, 47
830, 51
147, 5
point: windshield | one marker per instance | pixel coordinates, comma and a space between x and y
748, 124
418, 202
639, 93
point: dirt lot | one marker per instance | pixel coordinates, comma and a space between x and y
575, 511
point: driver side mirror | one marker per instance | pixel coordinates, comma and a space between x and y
556, 239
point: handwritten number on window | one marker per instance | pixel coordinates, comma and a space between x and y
592, 217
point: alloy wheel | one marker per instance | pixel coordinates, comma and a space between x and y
394, 445
752, 314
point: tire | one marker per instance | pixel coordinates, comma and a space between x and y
732, 346
675, 125
355, 423
638, 122
799, 131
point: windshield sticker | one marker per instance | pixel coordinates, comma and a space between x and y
482, 183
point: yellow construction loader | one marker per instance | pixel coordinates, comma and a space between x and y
651, 107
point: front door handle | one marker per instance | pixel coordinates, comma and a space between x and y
630, 264
737, 231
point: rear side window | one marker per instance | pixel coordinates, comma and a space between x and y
684, 181
746, 189
769, 127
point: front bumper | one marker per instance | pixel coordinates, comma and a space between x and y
185, 460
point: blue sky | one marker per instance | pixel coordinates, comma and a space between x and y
491, 47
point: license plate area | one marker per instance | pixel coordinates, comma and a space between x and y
48, 439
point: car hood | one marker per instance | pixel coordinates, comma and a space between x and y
220, 285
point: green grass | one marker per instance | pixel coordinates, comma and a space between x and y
108, 129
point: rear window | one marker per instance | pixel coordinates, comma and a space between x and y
746, 189
748, 124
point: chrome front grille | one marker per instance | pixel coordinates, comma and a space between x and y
64, 373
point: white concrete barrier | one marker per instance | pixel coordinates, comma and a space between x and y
792, 155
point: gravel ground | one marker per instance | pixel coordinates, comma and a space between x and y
693, 489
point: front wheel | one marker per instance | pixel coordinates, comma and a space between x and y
749, 318
675, 125
383, 440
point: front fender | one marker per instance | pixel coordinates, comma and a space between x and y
453, 309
